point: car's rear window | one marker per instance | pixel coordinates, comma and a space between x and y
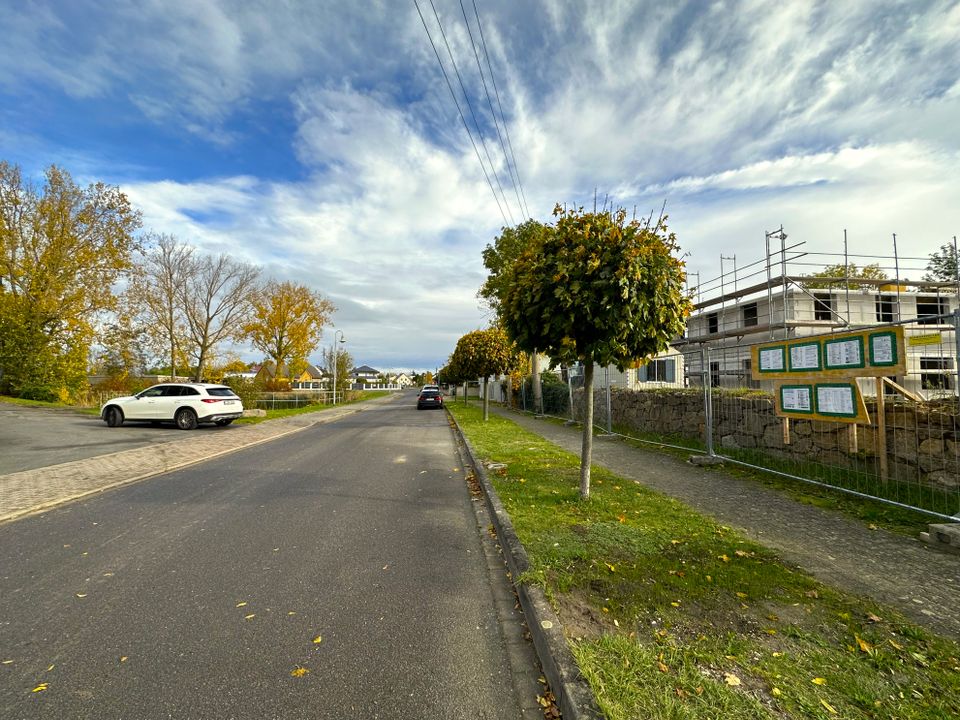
430, 393
221, 392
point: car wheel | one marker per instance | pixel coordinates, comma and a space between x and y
223, 423
114, 417
186, 419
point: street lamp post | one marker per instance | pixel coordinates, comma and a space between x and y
342, 340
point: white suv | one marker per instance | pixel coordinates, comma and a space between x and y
186, 404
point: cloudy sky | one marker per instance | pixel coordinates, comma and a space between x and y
320, 140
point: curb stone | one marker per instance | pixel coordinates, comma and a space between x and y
572, 692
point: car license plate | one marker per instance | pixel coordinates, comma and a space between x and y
228, 402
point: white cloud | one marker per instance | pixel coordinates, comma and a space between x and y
742, 114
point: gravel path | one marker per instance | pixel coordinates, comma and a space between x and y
904, 572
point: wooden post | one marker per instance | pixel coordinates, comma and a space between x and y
852, 438
881, 430
786, 431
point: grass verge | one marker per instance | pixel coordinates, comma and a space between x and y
673, 616
870, 512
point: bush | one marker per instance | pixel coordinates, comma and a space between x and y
37, 391
247, 390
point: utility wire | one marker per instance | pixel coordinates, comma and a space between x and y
493, 113
502, 116
472, 113
462, 118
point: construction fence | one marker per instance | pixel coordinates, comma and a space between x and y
904, 451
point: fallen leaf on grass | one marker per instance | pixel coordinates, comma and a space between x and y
812, 594
819, 681
662, 666
864, 645
725, 558
610, 567
898, 647
731, 679
828, 706
873, 618
776, 692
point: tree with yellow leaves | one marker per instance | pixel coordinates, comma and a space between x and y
287, 322
62, 247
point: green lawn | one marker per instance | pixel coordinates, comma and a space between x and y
673, 616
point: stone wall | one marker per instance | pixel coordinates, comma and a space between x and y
923, 440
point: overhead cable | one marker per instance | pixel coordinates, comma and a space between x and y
493, 113
460, 111
476, 122
506, 131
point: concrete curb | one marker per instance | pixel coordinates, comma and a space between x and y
570, 688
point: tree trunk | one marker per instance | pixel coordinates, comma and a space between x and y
586, 453
537, 390
486, 399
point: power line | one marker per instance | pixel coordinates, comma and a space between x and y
472, 113
506, 131
460, 111
493, 113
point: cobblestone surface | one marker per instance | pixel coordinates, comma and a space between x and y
30, 491
904, 572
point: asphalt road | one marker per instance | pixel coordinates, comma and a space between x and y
334, 573
37, 437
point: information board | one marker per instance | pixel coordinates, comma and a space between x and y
840, 356
832, 401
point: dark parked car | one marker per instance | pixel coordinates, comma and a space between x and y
429, 399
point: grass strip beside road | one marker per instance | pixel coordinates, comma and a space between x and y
673, 616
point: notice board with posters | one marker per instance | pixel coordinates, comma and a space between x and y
816, 375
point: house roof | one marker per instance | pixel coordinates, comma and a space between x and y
365, 369
315, 373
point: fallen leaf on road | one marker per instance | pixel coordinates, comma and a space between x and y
123, 658
241, 604
41, 687
51, 668
299, 671
7, 662
81, 595
250, 616
317, 640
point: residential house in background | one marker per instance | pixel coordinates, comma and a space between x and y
364, 374
312, 378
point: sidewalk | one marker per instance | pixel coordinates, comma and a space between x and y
31, 491
903, 572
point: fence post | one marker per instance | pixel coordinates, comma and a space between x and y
606, 381
707, 398
956, 342
882, 429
